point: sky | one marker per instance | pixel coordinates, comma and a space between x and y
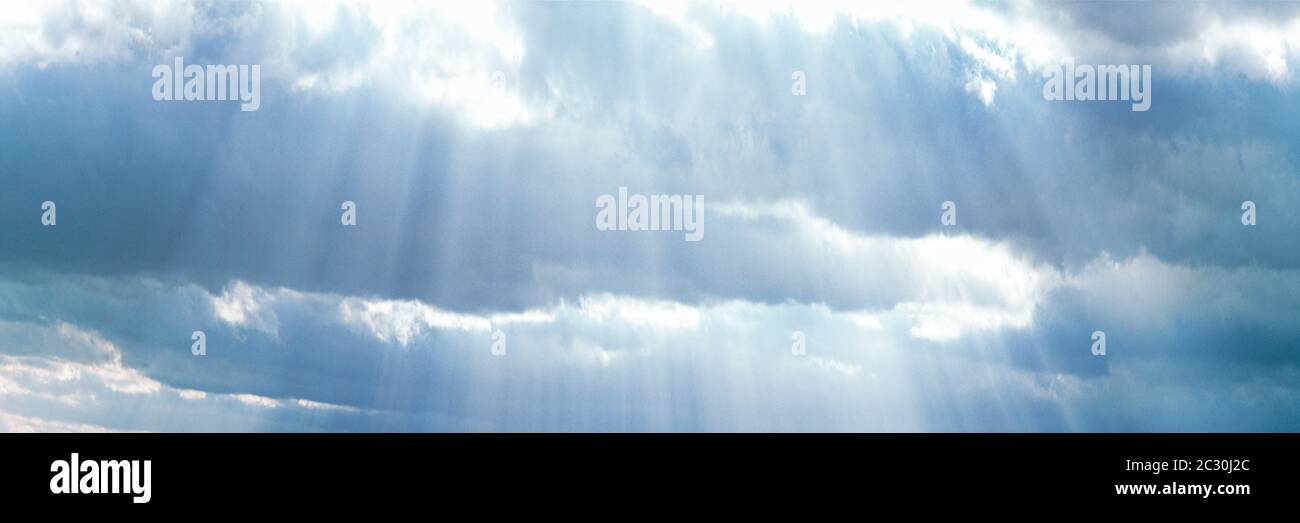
475, 292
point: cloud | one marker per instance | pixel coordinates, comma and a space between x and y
81, 376
241, 305
475, 139
1043, 173
407, 365
10, 423
72, 32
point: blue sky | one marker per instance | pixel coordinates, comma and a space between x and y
474, 142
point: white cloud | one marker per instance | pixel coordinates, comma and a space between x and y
74, 374
981, 88
1155, 294
54, 374
316, 405
403, 320
947, 284
467, 58
463, 57
635, 312
999, 38
256, 401
12, 423
69, 31
628, 353
192, 394
244, 306
944, 287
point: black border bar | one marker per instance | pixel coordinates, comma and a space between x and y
503, 471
